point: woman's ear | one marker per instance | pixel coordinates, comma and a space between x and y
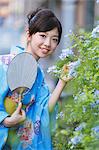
28, 37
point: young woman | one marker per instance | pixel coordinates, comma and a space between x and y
44, 34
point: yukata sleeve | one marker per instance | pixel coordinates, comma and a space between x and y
3, 91
3, 114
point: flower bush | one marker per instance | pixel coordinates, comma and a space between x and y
78, 122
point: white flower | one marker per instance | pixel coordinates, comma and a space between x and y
65, 53
74, 64
50, 69
53, 69
60, 115
95, 32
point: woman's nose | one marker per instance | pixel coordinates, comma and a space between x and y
47, 42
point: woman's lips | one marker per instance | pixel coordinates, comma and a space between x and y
45, 51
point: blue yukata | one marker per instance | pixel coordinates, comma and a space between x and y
35, 132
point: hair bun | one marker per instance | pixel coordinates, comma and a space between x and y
32, 14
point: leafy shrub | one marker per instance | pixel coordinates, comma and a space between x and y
78, 123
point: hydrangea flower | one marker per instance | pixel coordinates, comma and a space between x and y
96, 131
80, 127
72, 68
97, 102
65, 53
77, 139
96, 93
94, 104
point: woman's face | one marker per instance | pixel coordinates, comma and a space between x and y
42, 44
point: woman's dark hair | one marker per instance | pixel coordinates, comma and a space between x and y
43, 20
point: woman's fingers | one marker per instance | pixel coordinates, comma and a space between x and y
23, 115
19, 115
18, 110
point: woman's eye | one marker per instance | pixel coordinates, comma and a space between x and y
42, 35
56, 40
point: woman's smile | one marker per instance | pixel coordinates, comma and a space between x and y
45, 50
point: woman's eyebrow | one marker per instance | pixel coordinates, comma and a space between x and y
56, 36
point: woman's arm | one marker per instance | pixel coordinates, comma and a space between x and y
56, 94
59, 87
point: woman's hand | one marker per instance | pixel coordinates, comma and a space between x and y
17, 117
64, 74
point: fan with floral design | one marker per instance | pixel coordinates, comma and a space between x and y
21, 75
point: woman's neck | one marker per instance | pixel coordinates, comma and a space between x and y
28, 49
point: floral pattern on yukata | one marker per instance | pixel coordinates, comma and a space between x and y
26, 133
